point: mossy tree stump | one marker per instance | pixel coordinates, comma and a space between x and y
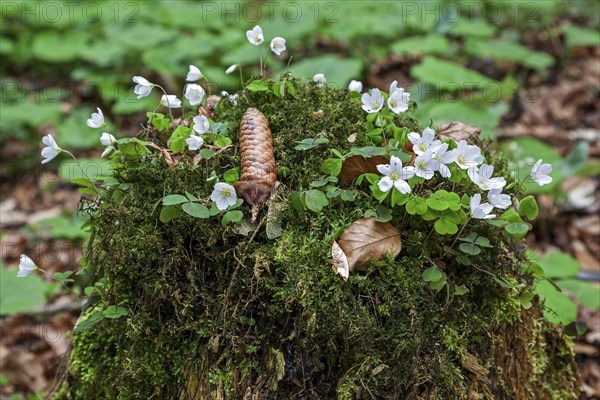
215, 314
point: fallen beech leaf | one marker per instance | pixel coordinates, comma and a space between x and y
458, 131
354, 166
366, 240
339, 261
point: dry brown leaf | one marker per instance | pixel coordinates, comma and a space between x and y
354, 166
339, 261
458, 131
367, 240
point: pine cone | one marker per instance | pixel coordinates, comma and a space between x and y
258, 161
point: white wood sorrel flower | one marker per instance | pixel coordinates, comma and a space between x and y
355, 86
51, 150
201, 124
255, 36
373, 102
143, 86
482, 177
499, 200
278, 45
170, 100
231, 68
194, 142
193, 74
480, 210
398, 101
26, 266
425, 165
424, 143
441, 158
540, 173
467, 156
395, 176
107, 140
223, 195
96, 120
319, 79
194, 93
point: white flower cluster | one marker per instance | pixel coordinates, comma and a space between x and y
397, 100
433, 156
255, 36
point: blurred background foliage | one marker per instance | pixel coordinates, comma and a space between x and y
466, 60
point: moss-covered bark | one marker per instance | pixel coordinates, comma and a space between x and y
216, 314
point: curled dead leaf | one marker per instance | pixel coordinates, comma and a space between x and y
339, 261
354, 166
458, 131
366, 240
169, 159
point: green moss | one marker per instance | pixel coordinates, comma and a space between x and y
216, 314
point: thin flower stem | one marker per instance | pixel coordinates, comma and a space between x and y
461, 231
59, 281
76, 161
183, 101
261, 60
288, 63
241, 76
167, 97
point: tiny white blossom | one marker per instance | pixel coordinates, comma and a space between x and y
255, 35
143, 87
193, 74
233, 98
480, 210
422, 144
373, 102
482, 177
51, 150
467, 156
26, 266
541, 173
320, 79
223, 195
231, 68
106, 139
194, 142
442, 157
425, 165
170, 100
194, 93
201, 124
499, 200
398, 101
96, 120
394, 176
278, 45
355, 86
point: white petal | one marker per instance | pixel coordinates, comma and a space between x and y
384, 169
414, 138
444, 171
385, 184
408, 172
340, 261
428, 135
475, 201
140, 80
402, 186
395, 164
194, 74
